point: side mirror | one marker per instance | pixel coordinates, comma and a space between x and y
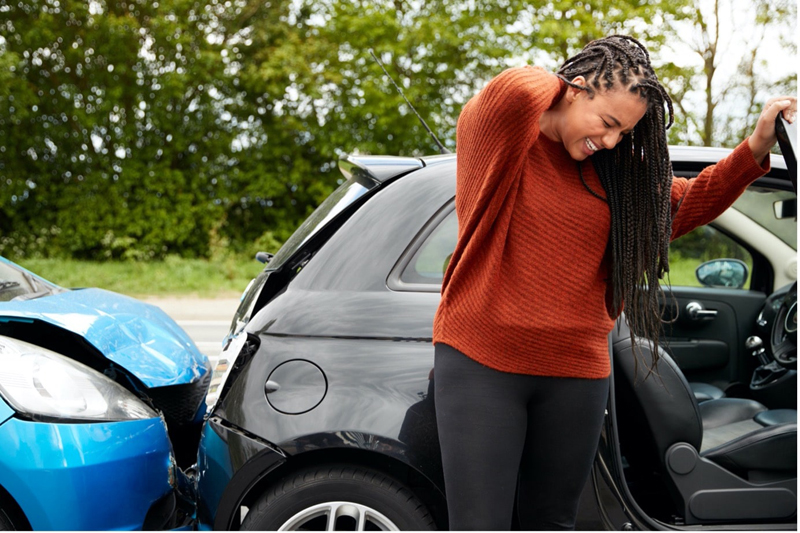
785, 208
722, 273
264, 257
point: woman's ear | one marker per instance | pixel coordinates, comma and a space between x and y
573, 92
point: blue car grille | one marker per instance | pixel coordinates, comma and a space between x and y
179, 403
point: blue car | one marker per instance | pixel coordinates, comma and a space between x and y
101, 404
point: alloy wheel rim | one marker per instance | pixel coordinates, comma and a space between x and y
340, 516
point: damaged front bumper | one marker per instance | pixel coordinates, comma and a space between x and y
93, 476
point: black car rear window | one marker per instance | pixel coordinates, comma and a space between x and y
347, 193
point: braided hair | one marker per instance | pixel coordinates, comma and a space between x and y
637, 177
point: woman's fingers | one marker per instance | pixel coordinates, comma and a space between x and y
786, 104
790, 111
764, 136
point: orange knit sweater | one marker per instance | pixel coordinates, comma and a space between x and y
525, 288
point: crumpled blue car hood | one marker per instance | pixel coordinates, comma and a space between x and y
137, 336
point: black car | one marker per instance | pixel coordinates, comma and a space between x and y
321, 412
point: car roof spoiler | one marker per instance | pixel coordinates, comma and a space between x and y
371, 170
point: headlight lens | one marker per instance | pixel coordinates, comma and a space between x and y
39, 382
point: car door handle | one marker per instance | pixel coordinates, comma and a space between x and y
697, 312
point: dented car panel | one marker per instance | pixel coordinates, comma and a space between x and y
134, 335
101, 403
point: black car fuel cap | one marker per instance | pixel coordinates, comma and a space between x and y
295, 387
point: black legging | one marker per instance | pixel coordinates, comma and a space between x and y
499, 430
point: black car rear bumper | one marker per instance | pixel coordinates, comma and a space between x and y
232, 463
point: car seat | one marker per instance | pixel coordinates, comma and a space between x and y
705, 391
726, 460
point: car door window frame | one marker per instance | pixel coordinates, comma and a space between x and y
394, 281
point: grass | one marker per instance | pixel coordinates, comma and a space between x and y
199, 277
682, 273
173, 276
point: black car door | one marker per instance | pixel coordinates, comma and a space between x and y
707, 327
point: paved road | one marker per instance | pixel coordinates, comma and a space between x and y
205, 320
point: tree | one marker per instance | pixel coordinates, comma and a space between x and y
137, 129
111, 129
724, 110
314, 91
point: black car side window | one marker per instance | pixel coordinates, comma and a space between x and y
430, 260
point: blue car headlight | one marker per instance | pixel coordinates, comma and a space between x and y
41, 383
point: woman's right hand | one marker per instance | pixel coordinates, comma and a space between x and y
764, 136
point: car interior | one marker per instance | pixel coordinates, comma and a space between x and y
723, 460
695, 453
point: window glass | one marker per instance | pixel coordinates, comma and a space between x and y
15, 282
757, 204
346, 194
698, 246
686, 253
12, 283
431, 259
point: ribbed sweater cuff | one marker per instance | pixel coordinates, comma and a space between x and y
743, 155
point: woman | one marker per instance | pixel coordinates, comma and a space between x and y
566, 204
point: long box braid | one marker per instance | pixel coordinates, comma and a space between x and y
637, 178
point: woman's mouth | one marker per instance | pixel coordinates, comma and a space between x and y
591, 146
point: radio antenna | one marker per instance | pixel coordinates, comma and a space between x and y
442, 149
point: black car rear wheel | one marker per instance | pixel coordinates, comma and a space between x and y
338, 498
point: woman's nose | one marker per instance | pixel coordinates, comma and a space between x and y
611, 139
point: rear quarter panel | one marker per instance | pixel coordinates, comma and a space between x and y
374, 345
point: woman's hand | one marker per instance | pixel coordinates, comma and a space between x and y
764, 137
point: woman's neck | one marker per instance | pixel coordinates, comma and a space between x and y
548, 121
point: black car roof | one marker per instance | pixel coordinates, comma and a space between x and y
383, 167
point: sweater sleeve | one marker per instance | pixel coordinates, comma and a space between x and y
495, 131
700, 200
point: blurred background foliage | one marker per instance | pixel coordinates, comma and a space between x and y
144, 129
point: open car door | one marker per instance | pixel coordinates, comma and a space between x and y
664, 470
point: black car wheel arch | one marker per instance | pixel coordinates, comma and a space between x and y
11, 515
309, 495
259, 475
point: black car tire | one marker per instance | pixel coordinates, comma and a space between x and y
352, 490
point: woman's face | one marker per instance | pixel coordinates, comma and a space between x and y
591, 124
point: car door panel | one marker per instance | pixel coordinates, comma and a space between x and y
712, 350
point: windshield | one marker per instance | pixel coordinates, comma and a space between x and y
757, 204
18, 283
347, 193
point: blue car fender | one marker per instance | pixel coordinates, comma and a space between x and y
94, 476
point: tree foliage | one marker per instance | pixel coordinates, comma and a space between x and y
110, 128
139, 128
718, 108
